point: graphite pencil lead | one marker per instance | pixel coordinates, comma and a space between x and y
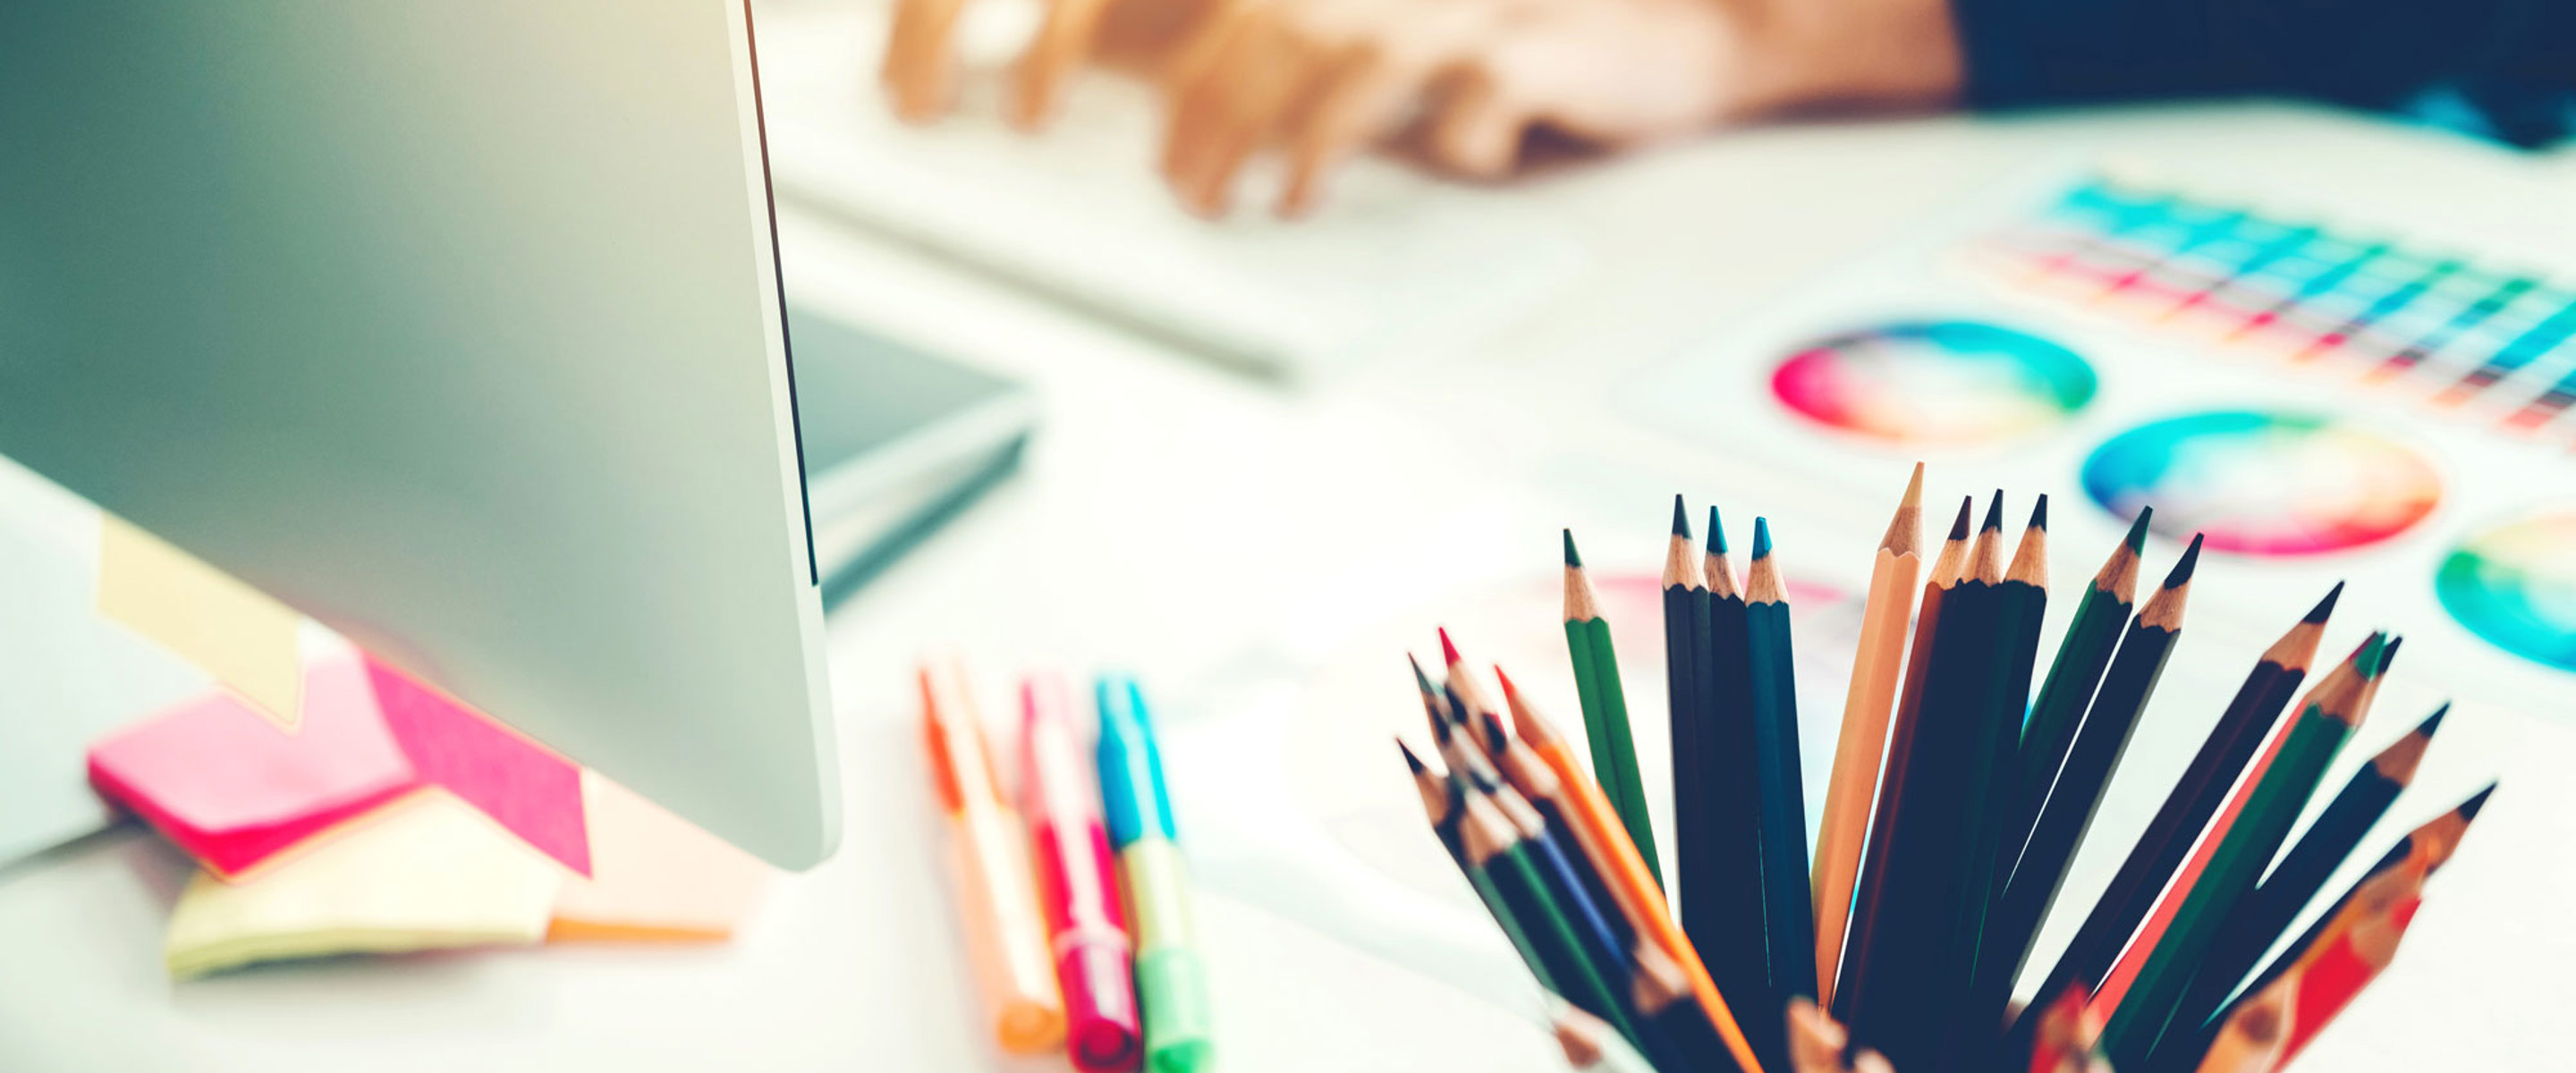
2039, 513
1410, 760
2030, 558
2182, 569
2136, 541
2468, 809
1967, 513
2325, 607
2397, 762
2387, 655
2297, 648
1994, 514
1681, 560
1761, 538
1681, 518
1571, 559
1905, 530
2433, 722
1497, 740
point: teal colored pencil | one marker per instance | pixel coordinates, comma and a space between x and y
1788, 904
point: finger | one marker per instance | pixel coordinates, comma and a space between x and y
1358, 95
1260, 89
919, 71
1063, 42
1477, 123
1188, 109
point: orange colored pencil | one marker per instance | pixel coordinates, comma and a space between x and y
1875, 670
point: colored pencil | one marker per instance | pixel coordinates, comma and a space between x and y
1723, 913
2102, 739
1445, 808
2074, 674
1605, 705
1529, 778
2302, 872
2136, 1020
2425, 849
1171, 976
2115, 983
1901, 1006
1685, 649
2242, 728
997, 903
2346, 958
1788, 906
1863, 943
1876, 667
2021, 602
1077, 884
2063, 1042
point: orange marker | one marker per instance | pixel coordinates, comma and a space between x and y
996, 901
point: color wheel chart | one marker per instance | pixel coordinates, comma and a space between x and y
2515, 586
2486, 344
2264, 483
1938, 383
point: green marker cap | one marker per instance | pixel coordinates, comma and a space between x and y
1179, 1036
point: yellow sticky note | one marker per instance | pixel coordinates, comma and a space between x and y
653, 876
429, 873
236, 633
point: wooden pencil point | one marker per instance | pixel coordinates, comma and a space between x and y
2468, 809
1422, 680
2387, 655
1905, 530
2136, 541
1967, 513
1410, 760
2397, 762
1681, 518
2433, 722
1994, 514
1761, 538
2039, 513
2297, 648
2030, 557
1716, 572
1716, 532
1572, 560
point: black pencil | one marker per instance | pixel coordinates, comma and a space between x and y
2241, 729
2073, 676
1685, 619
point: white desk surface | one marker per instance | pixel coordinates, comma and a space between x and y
1165, 505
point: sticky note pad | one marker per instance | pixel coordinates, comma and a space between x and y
528, 788
232, 631
430, 873
654, 876
234, 791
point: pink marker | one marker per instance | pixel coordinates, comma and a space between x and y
1077, 883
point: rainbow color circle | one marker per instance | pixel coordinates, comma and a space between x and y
2264, 483
1939, 383
2515, 586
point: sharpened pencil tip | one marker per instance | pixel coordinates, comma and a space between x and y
2039, 513
2137, 538
1994, 514
2325, 608
2387, 655
1967, 512
1571, 559
1410, 760
2182, 568
1716, 532
1681, 518
1913, 489
1448, 648
1421, 680
1510, 692
2468, 809
2433, 722
1761, 537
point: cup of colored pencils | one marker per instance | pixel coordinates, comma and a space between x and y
1965, 778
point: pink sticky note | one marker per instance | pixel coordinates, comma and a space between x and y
533, 792
225, 784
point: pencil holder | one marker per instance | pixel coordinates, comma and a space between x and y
1964, 782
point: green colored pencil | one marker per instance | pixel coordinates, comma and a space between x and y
1605, 707
2073, 676
1788, 904
2325, 722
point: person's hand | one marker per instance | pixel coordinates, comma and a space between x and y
1321, 79
920, 66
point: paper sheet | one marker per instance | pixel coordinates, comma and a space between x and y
232, 631
653, 875
530, 790
217, 780
430, 874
